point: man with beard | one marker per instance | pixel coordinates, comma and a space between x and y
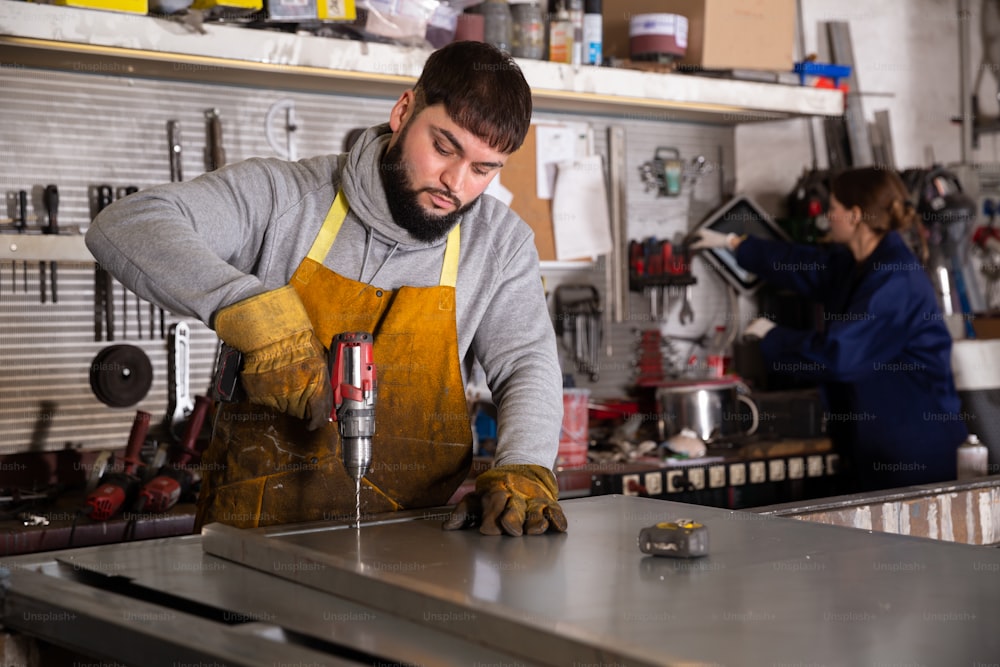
393, 238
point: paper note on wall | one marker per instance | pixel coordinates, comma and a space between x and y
496, 189
580, 220
554, 144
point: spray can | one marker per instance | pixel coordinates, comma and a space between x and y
576, 20
593, 33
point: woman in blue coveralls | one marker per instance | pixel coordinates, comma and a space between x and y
884, 354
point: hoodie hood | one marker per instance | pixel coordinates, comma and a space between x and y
365, 193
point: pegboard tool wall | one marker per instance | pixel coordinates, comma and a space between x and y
81, 129
649, 214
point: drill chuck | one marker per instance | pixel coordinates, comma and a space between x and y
356, 422
357, 456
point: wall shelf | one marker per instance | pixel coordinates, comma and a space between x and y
113, 43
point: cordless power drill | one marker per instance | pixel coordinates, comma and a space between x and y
352, 377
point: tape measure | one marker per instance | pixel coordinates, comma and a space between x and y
680, 538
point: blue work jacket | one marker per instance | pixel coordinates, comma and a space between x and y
883, 357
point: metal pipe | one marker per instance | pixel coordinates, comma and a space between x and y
965, 102
619, 223
802, 56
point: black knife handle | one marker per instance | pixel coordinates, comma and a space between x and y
215, 155
51, 199
22, 210
175, 149
105, 195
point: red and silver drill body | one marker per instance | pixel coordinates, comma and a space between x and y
352, 375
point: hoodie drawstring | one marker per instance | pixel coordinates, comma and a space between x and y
364, 261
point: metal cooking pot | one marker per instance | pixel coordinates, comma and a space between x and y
710, 408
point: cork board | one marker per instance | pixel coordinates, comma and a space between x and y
518, 176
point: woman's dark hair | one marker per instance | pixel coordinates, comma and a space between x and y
883, 199
482, 89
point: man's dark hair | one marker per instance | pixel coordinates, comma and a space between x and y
482, 89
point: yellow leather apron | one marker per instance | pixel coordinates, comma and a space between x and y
264, 467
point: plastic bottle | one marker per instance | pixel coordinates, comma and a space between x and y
717, 356
576, 21
560, 33
973, 458
529, 30
498, 25
593, 33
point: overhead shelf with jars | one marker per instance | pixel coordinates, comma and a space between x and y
101, 42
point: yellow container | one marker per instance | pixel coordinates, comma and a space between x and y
131, 6
335, 10
229, 5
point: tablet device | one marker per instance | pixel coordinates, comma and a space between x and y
740, 216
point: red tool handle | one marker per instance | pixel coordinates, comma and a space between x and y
136, 438
186, 448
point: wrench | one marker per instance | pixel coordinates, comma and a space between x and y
687, 314
181, 405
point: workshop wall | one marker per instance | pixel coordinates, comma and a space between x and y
907, 57
82, 129
662, 217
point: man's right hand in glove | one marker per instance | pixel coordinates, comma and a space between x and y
284, 363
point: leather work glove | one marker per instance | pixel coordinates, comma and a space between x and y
757, 329
512, 499
284, 363
707, 238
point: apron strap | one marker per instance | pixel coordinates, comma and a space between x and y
449, 269
328, 232
335, 219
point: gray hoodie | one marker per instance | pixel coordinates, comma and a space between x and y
198, 246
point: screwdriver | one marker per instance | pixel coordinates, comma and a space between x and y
22, 223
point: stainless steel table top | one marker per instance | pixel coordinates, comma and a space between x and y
772, 591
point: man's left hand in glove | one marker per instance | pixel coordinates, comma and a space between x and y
512, 499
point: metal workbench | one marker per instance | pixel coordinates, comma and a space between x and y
400, 590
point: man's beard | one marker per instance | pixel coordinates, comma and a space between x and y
403, 199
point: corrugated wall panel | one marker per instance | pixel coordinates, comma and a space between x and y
79, 130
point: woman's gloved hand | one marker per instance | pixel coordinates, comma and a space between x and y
757, 329
512, 499
707, 238
284, 363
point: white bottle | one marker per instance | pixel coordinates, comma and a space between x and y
593, 33
973, 458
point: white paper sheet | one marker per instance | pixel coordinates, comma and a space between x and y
580, 221
553, 144
496, 189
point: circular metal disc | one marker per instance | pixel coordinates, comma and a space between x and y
121, 375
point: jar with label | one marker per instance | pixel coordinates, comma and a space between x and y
528, 30
560, 33
498, 25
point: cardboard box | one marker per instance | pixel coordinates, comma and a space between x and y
722, 34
